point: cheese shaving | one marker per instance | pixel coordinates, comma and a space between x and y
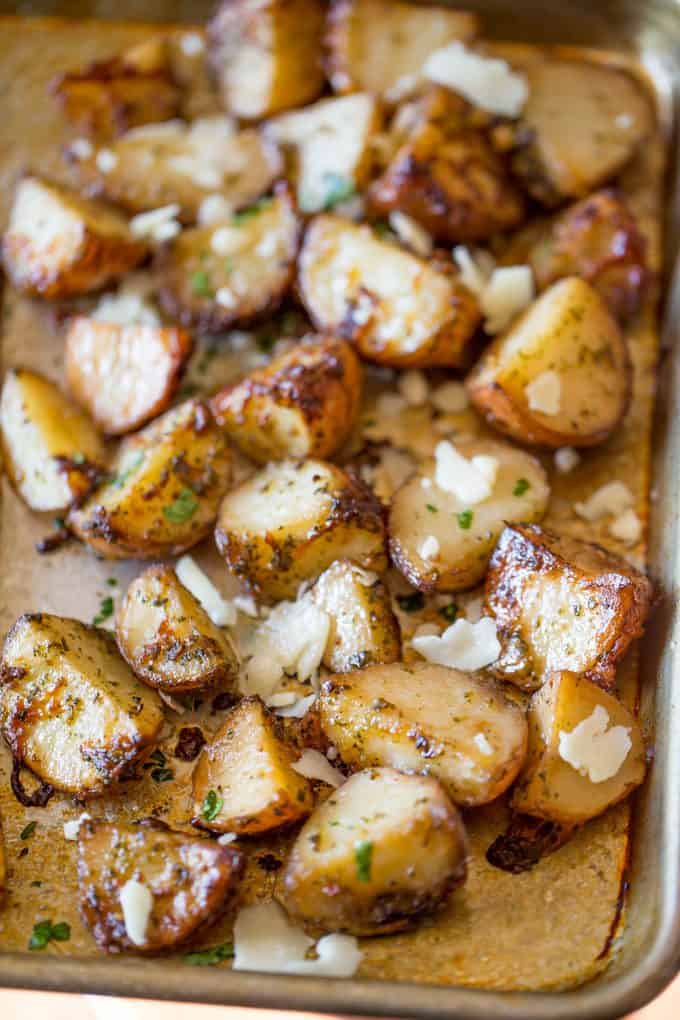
544, 393
221, 612
471, 481
313, 765
486, 82
463, 645
593, 749
136, 901
612, 498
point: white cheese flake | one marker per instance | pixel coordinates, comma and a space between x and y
191, 44
486, 82
148, 224
214, 208
136, 901
463, 645
298, 709
450, 398
81, 148
413, 387
126, 309
226, 240
472, 481
483, 744
106, 161
508, 292
411, 233
246, 604
593, 749
226, 838
281, 699
221, 612
566, 459
313, 765
292, 640
429, 548
627, 527
544, 393
173, 704
610, 499
225, 297
72, 828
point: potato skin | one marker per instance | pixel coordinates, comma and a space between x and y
302, 404
599, 605
414, 848
168, 639
191, 880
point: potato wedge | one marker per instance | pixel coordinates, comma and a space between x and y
562, 604
364, 630
164, 488
231, 272
290, 521
70, 708
302, 404
169, 640
174, 163
384, 849
243, 781
330, 144
581, 124
53, 454
374, 44
398, 309
266, 57
586, 752
181, 884
559, 375
464, 533
59, 244
454, 726
124, 375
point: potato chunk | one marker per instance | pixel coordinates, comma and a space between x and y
302, 404
330, 144
231, 272
3, 866
291, 520
464, 533
363, 629
581, 124
58, 244
398, 309
452, 725
374, 44
243, 781
562, 604
168, 638
560, 374
143, 888
384, 849
164, 490
124, 375
70, 708
53, 454
586, 752
266, 56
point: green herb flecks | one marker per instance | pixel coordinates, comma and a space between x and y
45, 931
209, 957
28, 830
182, 508
105, 611
465, 519
432, 508
411, 603
132, 465
200, 284
157, 763
521, 487
253, 210
449, 612
212, 805
363, 853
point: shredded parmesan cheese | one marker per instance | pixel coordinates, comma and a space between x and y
463, 645
544, 393
191, 44
221, 612
136, 901
291, 640
411, 233
488, 83
627, 527
566, 459
314, 765
593, 749
72, 828
151, 224
472, 481
106, 161
429, 548
613, 498
502, 293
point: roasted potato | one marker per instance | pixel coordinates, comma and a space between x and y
586, 752
581, 124
124, 375
562, 604
266, 56
330, 145
243, 781
454, 726
291, 520
176, 163
464, 532
53, 454
187, 56
398, 309
59, 244
374, 45
302, 404
384, 849
3, 867
231, 272
70, 708
559, 375
163, 491
169, 640
143, 888
363, 630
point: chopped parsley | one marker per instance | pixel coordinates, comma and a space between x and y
449, 612
182, 508
432, 508
112, 581
132, 465
411, 603
200, 284
211, 956
338, 189
105, 611
45, 931
28, 830
363, 853
521, 487
212, 805
465, 519
59, 523
253, 210
78, 458
157, 763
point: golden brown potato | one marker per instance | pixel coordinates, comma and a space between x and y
144, 888
363, 629
244, 781
581, 124
302, 404
124, 375
398, 309
266, 56
58, 244
233, 271
189, 68
70, 708
454, 726
164, 489
53, 454
562, 604
384, 849
559, 375
438, 539
373, 45
3, 866
291, 520
586, 752
169, 640
176, 163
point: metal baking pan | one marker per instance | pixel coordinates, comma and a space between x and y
648, 947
